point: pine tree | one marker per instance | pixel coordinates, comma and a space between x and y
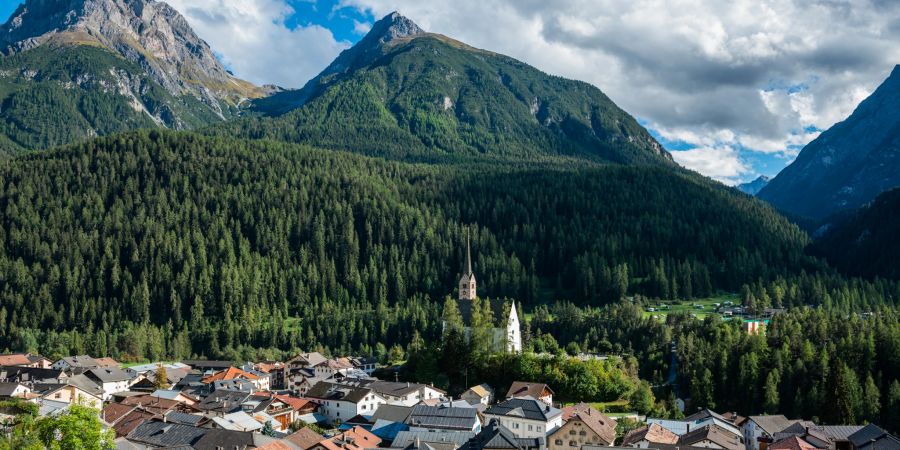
771, 401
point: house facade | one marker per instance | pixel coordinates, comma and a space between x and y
339, 403
525, 417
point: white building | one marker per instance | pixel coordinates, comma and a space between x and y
526, 417
111, 380
508, 336
340, 402
762, 429
397, 393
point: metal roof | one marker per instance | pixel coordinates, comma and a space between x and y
438, 417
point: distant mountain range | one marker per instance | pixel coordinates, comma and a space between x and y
753, 187
405, 93
848, 165
79, 68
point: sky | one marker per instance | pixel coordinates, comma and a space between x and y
733, 89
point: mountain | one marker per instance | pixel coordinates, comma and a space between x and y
73, 69
753, 187
847, 165
865, 242
405, 93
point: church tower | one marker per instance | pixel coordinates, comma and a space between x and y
467, 285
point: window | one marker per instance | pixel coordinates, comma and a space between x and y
559, 442
530, 428
540, 428
516, 426
572, 432
582, 433
573, 444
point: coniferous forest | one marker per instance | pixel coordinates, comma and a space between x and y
333, 218
152, 244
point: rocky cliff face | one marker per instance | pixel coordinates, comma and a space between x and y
848, 165
147, 32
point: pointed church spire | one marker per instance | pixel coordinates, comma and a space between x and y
468, 253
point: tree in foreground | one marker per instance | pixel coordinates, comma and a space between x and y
78, 428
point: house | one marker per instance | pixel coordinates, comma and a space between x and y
76, 364
107, 363
759, 431
356, 438
435, 418
158, 405
506, 337
207, 366
123, 419
159, 434
830, 437
792, 443
444, 440
233, 373
648, 436
110, 380
494, 436
711, 436
13, 390
526, 417
539, 391
584, 427
872, 437
68, 394
17, 374
397, 393
304, 438
239, 421
177, 396
220, 403
340, 402
481, 394
25, 360
332, 367
275, 370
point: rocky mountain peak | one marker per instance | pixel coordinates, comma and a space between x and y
147, 32
393, 26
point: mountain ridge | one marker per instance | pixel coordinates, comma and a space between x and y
409, 94
148, 32
849, 164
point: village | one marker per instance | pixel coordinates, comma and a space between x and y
312, 402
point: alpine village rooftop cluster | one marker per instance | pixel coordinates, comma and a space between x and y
296, 268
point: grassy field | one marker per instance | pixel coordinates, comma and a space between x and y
698, 307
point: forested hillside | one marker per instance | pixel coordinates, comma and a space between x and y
228, 242
866, 242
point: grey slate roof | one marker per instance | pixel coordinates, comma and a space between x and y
31, 374
223, 401
712, 433
866, 435
772, 424
109, 375
325, 390
394, 389
7, 389
458, 438
81, 362
166, 435
184, 418
392, 413
439, 417
525, 407
497, 437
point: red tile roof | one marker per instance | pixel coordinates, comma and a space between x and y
19, 359
792, 443
356, 438
231, 373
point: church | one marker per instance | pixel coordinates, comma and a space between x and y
506, 339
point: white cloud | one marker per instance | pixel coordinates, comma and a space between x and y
252, 39
751, 75
720, 163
